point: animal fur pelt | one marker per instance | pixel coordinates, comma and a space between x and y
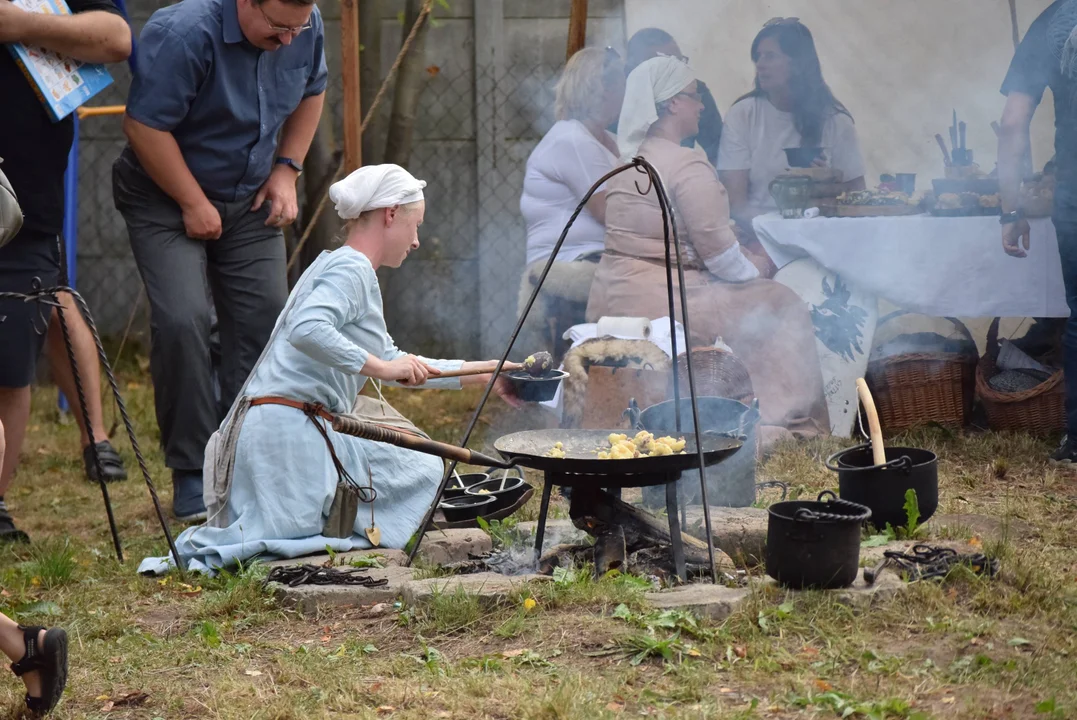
614, 352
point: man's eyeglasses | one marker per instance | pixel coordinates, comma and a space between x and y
781, 21
282, 29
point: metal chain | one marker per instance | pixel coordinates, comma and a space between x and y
925, 562
295, 575
43, 295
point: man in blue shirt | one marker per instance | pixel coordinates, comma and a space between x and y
220, 117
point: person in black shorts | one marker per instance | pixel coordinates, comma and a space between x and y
34, 151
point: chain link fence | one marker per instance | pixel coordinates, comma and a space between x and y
475, 128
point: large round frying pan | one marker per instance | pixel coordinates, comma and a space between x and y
530, 447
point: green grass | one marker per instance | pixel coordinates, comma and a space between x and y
967, 648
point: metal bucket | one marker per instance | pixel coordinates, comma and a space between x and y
730, 483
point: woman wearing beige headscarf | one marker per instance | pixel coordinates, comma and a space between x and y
765, 323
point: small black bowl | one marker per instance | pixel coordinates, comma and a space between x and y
466, 507
514, 489
458, 485
536, 389
802, 157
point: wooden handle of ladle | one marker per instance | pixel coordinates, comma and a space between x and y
878, 451
507, 367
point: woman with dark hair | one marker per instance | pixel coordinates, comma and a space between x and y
791, 106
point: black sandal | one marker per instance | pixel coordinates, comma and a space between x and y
50, 659
111, 462
8, 532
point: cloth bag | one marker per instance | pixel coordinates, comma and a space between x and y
10, 213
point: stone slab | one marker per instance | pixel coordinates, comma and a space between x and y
740, 532
388, 557
715, 602
443, 547
309, 599
557, 531
859, 594
490, 587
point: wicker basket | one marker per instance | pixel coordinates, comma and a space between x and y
915, 389
1039, 411
718, 373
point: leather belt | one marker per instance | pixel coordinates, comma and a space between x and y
308, 408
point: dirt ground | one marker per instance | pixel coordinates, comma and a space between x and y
179, 647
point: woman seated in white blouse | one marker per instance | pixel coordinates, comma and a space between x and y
576, 152
791, 107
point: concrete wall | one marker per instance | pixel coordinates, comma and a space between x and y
456, 297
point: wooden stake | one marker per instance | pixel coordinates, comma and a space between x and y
878, 451
349, 66
577, 27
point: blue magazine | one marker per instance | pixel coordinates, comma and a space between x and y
61, 83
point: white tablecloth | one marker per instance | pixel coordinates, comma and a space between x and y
943, 267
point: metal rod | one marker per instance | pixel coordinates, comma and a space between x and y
665, 203
544, 509
505, 356
89, 429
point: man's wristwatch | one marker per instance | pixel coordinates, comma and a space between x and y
1011, 217
292, 164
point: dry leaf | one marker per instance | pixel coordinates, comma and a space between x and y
823, 685
107, 707
4, 593
115, 660
253, 673
433, 70
385, 709
99, 698
976, 542
725, 691
740, 651
131, 699
692, 652
326, 638
949, 700
615, 707
443, 714
809, 650
513, 653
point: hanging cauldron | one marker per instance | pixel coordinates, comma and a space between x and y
882, 488
815, 544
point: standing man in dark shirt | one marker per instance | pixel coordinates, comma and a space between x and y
205, 188
34, 151
652, 42
1037, 66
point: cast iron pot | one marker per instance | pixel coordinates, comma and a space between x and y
730, 483
505, 492
466, 507
815, 544
882, 488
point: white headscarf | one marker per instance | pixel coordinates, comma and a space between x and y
373, 187
653, 81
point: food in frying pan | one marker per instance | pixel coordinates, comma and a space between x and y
643, 444
557, 451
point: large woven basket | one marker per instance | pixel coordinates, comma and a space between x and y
922, 388
1038, 411
718, 373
